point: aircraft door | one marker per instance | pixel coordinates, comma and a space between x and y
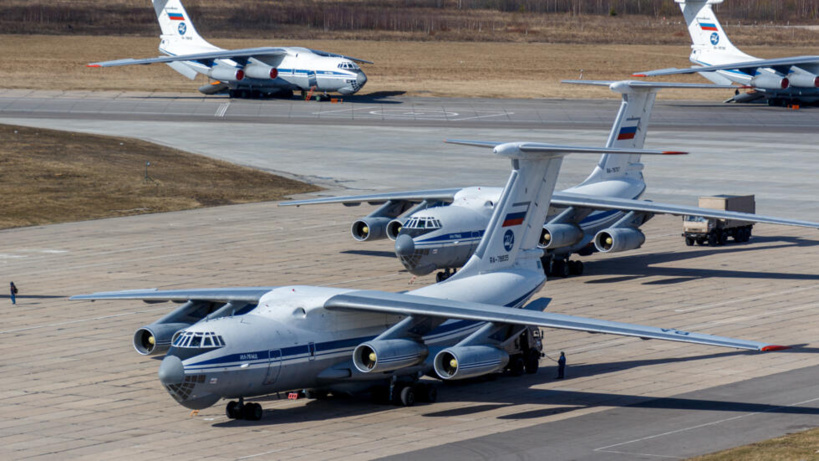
311, 79
273, 367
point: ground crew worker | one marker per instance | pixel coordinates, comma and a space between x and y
561, 365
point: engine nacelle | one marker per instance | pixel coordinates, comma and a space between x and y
461, 362
261, 71
156, 338
382, 355
618, 239
803, 80
370, 228
769, 81
394, 227
227, 74
559, 235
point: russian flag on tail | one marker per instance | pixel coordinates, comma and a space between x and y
517, 215
176, 16
627, 132
708, 26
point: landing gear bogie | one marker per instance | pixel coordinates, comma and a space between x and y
246, 411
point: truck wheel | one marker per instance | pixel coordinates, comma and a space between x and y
689, 241
723, 238
700, 241
713, 239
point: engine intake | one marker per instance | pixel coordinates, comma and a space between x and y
156, 338
385, 355
394, 227
559, 236
461, 362
369, 228
618, 239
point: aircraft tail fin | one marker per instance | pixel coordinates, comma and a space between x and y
710, 44
179, 35
511, 238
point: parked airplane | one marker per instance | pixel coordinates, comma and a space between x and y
342, 340
440, 229
249, 72
781, 80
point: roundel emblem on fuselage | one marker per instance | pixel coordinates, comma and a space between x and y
714, 38
508, 240
182, 28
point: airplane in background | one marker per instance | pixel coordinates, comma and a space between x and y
440, 229
248, 72
779, 81
327, 339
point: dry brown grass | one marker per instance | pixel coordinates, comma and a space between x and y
459, 69
802, 446
50, 176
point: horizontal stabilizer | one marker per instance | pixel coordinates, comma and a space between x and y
541, 148
642, 84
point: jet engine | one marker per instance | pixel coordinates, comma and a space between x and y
370, 228
394, 227
461, 362
802, 79
261, 71
156, 338
559, 235
228, 74
382, 355
618, 239
769, 81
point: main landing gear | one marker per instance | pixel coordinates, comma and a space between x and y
558, 267
242, 410
405, 394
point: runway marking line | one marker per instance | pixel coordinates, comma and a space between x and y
606, 449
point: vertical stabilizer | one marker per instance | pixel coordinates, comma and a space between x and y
512, 234
628, 132
179, 35
710, 44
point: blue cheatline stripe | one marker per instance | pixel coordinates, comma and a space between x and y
453, 236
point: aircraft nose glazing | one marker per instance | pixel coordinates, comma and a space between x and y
361, 79
404, 245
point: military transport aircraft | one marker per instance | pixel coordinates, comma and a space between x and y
248, 72
439, 229
341, 340
779, 81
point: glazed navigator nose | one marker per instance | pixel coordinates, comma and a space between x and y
171, 371
361, 79
404, 245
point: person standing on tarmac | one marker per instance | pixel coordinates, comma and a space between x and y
13, 290
561, 365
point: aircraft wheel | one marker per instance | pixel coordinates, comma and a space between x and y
440, 277
252, 412
517, 366
576, 267
532, 361
408, 396
430, 393
233, 410
316, 394
689, 241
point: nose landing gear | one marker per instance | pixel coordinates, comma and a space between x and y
242, 410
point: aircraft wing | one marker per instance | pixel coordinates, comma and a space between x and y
602, 203
404, 304
244, 53
745, 65
247, 294
539, 147
642, 84
442, 195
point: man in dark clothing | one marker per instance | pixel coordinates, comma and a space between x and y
13, 290
561, 365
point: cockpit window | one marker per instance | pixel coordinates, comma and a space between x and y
348, 65
422, 223
198, 340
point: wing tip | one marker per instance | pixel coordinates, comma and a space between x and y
774, 347
93, 65
674, 152
639, 75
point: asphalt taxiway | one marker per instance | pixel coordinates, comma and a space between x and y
72, 386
